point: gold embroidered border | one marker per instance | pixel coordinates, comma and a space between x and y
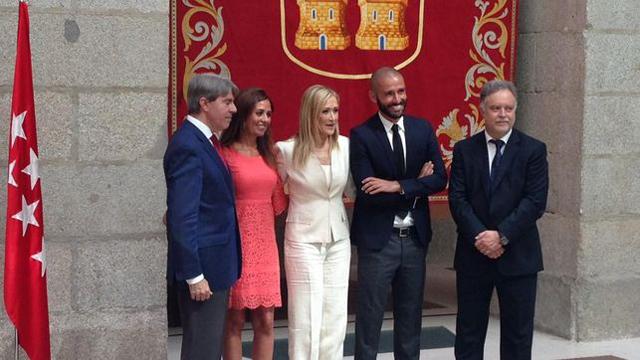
485, 42
486, 67
205, 35
174, 67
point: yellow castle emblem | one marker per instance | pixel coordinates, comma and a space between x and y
323, 26
382, 25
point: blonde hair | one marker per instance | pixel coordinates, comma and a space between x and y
313, 100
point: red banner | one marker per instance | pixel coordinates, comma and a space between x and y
25, 280
446, 51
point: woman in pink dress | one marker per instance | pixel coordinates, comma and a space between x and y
248, 151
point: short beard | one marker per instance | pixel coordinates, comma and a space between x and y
385, 109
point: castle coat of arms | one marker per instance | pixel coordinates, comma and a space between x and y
323, 25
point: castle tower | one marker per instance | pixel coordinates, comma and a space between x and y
322, 25
382, 25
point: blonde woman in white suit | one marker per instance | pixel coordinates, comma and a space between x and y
314, 166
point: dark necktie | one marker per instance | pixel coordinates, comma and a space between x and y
398, 155
497, 158
398, 152
215, 142
218, 147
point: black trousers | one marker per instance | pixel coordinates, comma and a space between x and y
401, 265
517, 298
202, 325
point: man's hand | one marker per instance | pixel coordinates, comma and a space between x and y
200, 291
488, 243
427, 169
373, 185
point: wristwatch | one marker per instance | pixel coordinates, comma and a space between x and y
503, 239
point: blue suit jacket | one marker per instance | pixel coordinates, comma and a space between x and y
371, 155
517, 199
201, 214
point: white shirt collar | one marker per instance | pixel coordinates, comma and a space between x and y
201, 126
388, 124
505, 138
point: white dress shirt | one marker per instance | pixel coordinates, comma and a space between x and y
202, 127
397, 221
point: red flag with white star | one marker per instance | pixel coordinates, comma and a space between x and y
25, 280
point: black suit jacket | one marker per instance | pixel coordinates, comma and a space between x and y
371, 155
514, 204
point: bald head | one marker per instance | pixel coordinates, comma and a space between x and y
388, 92
383, 73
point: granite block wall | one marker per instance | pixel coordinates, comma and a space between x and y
100, 77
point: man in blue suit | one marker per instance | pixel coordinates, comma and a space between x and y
396, 164
498, 190
204, 243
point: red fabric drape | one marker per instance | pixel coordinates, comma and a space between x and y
451, 48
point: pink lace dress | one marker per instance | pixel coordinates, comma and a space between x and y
259, 197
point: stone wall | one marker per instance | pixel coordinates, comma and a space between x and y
100, 72
578, 70
100, 76
550, 73
609, 262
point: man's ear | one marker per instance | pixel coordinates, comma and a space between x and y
203, 102
372, 97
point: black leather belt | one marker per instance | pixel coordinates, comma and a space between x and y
403, 232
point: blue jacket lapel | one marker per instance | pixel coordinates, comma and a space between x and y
383, 140
411, 140
213, 153
482, 157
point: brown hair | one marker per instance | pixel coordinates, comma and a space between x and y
246, 102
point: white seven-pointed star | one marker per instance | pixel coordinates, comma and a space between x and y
32, 168
42, 257
12, 181
16, 127
27, 214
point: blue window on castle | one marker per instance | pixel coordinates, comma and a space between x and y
382, 42
323, 42
330, 14
374, 15
314, 14
391, 15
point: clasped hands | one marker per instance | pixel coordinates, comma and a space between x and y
373, 185
488, 243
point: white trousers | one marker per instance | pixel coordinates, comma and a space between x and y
317, 285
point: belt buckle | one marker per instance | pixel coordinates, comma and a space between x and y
403, 232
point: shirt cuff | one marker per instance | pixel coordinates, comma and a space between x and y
195, 280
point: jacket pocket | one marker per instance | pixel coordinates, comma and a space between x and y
213, 240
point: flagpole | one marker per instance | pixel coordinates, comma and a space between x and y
16, 332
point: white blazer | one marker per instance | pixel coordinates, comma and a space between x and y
316, 210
